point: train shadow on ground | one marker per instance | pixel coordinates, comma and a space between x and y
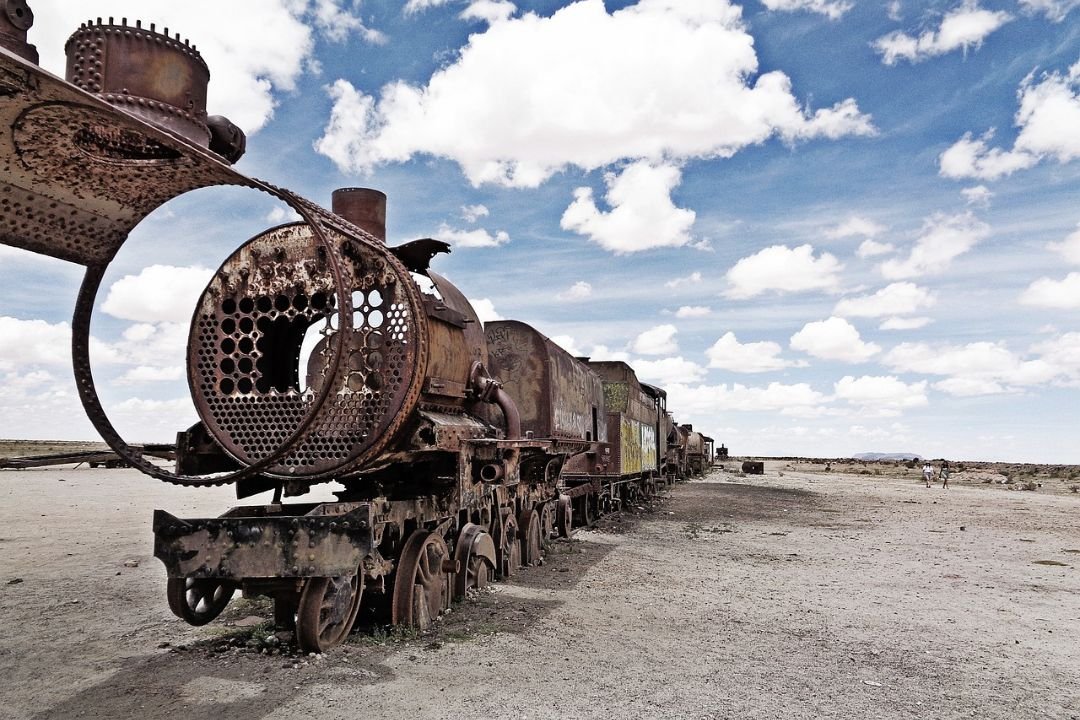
733, 503
218, 677
529, 597
195, 683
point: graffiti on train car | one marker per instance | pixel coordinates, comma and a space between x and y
630, 434
648, 447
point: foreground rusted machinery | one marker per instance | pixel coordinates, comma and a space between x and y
314, 355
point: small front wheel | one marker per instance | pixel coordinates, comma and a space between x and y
197, 601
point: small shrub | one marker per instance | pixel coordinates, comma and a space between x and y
1074, 488
1029, 485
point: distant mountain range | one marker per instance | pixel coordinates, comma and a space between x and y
886, 456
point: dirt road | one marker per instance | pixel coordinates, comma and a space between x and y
787, 596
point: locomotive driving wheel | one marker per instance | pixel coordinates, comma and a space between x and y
474, 556
197, 601
327, 610
547, 523
507, 545
588, 510
564, 516
421, 584
529, 530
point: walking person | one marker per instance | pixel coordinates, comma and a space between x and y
945, 474
928, 472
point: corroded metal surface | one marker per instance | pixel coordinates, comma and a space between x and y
557, 395
16, 18
76, 175
247, 335
159, 78
260, 542
632, 419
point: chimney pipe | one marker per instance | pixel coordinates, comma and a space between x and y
364, 208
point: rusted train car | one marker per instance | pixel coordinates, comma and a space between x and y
564, 398
695, 451
460, 451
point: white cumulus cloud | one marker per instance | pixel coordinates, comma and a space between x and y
976, 368
478, 238
904, 323
1069, 248
668, 371
855, 226
789, 399
728, 353
659, 340
691, 279
963, 28
578, 291
159, 293
33, 342
485, 310
832, 9
883, 393
567, 343
978, 195
1046, 292
833, 339
151, 374
942, 239
783, 269
693, 311
489, 11
472, 213
900, 298
255, 48
415, 6
642, 214
584, 87
1049, 122
872, 248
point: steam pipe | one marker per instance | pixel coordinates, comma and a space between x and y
510, 412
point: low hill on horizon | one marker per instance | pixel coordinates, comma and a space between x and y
886, 456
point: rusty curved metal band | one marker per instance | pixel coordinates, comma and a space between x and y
84, 376
81, 174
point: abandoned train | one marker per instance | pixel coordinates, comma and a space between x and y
461, 448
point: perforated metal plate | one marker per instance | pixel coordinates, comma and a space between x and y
252, 387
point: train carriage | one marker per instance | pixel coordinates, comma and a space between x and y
632, 429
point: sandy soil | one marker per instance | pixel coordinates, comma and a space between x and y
792, 595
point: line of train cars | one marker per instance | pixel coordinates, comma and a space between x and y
317, 353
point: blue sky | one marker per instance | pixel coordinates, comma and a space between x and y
825, 227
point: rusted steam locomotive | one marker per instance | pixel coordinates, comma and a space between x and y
461, 449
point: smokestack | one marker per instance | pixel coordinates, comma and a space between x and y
363, 207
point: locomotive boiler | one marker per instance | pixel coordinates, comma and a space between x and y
316, 353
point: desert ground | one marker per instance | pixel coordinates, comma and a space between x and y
802, 593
